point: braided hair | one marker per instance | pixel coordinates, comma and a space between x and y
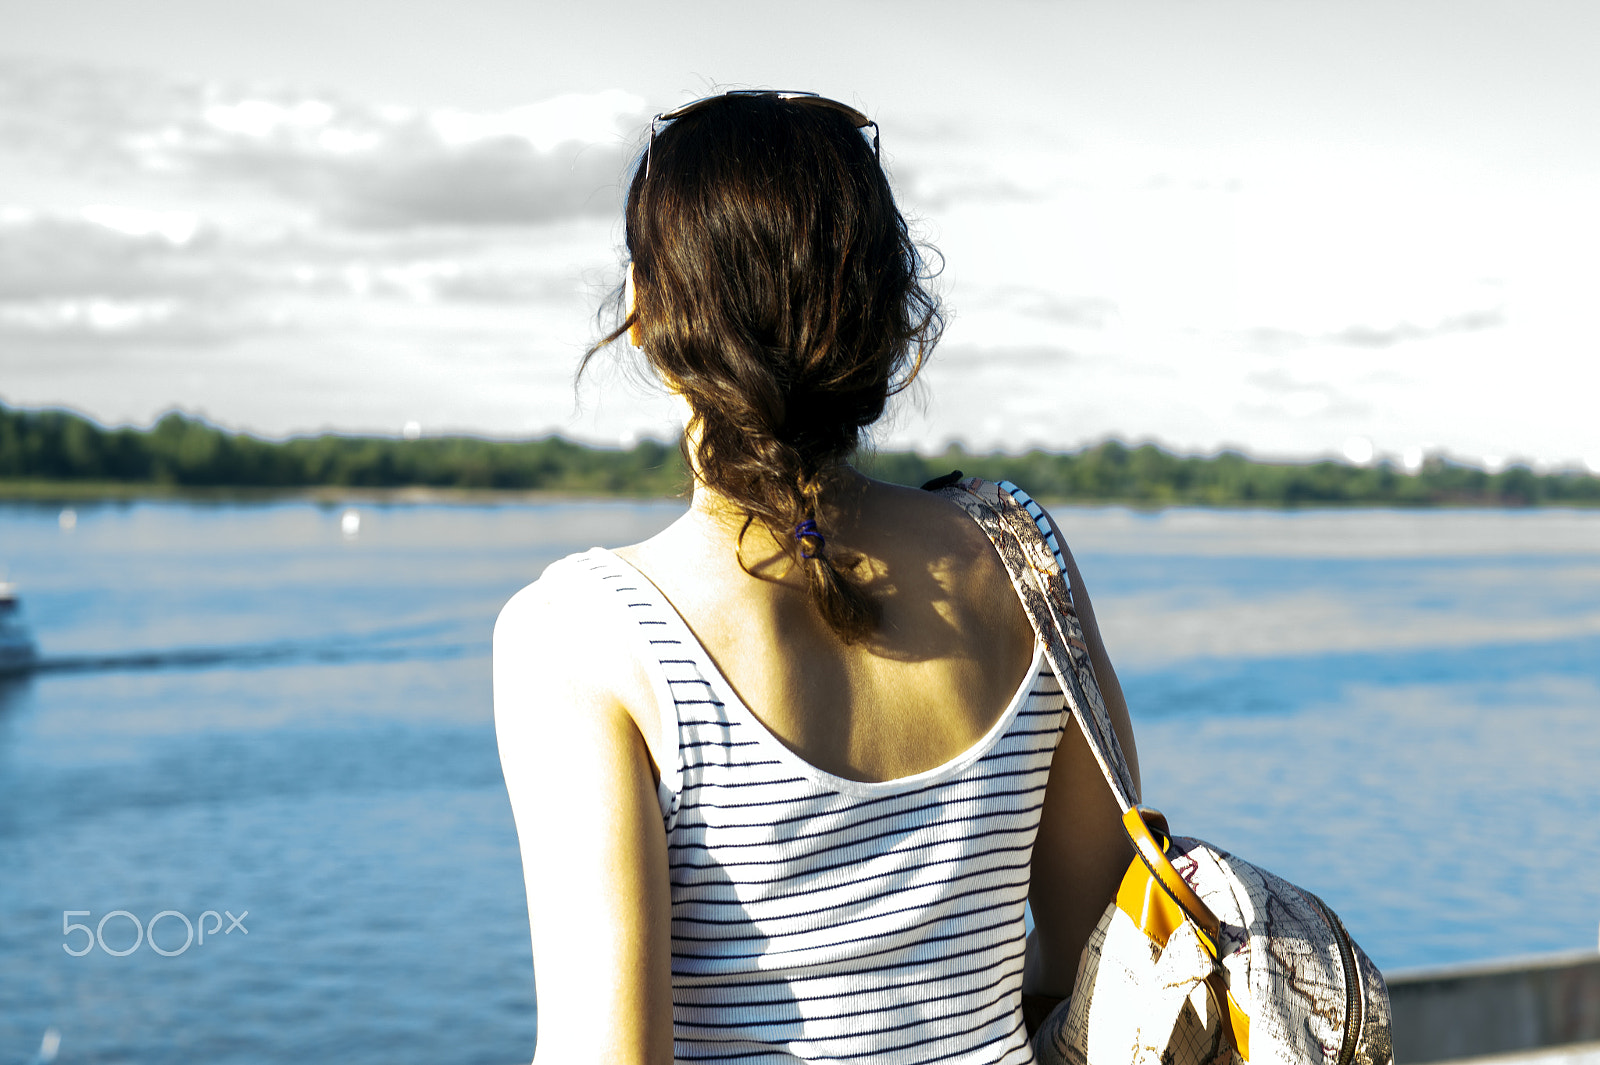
778, 290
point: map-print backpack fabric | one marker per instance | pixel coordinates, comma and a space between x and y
1201, 957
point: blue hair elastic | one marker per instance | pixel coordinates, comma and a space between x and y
807, 530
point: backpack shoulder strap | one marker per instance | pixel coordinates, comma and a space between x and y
1021, 535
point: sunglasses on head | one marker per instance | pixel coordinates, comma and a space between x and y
811, 99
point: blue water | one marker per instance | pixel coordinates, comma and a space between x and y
244, 709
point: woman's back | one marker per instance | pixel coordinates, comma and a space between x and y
950, 650
815, 915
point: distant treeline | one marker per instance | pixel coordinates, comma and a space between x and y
180, 451
184, 452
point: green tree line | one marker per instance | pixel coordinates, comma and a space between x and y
180, 451
185, 452
1150, 476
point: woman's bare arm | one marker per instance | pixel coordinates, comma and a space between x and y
1082, 850
594, 858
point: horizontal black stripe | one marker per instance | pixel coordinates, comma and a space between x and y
889, 1049
688, 767
858, 900
769, 951
728, 983
963, 934
893, 875
940, 901
685, 1024
811, 854
815, 869
1000, 753
845, 827
724, 993
774, 782
963, 780
763, 1025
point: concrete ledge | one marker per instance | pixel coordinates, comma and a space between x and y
1497, 1008
1571, 1054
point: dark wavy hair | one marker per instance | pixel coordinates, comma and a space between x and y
778, 289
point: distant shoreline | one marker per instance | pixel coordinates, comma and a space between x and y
13, 490
68, 493
61, 456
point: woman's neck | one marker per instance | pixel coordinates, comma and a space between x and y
722, 521
844, 485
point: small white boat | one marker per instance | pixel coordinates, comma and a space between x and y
18, 652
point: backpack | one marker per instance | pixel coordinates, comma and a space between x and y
1201, 957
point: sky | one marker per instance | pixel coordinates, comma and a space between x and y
1298, 227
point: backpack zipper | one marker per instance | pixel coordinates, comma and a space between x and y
1353, 1004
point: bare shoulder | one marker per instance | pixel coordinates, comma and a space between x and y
556, 653
556, 616
937, 519
959, 552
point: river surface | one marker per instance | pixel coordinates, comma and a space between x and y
257, 713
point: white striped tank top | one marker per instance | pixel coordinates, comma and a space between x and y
820, 919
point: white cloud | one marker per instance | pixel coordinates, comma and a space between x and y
265, 118
593, 118
120, 278
106, 253
317, 156
176, 227
88, 315
389, 168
